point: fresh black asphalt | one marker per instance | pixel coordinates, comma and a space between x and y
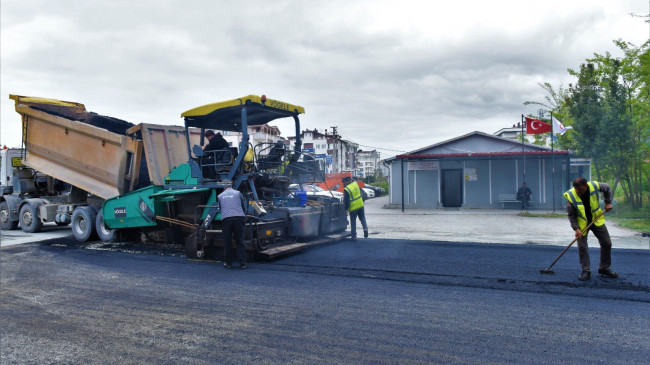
372, 301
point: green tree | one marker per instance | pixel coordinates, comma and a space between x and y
609, 108
586, 109
635, 75
619, 145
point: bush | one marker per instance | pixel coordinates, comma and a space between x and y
382, 184
635, 219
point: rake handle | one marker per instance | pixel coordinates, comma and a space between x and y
575, 239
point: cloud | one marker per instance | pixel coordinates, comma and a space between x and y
395, 75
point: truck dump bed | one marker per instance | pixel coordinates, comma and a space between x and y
165, 147
93, 152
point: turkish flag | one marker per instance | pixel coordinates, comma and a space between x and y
536, 126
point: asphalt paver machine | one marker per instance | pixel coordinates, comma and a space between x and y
185, 202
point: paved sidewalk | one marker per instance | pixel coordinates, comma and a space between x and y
483, 226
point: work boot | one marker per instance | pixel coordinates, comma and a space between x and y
608, 272
586, 275
365, 233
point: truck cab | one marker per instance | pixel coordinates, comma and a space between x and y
23, 191
9, 159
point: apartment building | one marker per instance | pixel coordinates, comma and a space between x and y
367, 163
340, 154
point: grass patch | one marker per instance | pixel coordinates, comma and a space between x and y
625, 216
633, 222
636, 224
624, 210
542, 215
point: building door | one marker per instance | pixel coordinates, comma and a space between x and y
452, 187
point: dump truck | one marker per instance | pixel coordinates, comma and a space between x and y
19, 185
146, 179
54, 178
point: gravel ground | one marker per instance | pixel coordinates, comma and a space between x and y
484, 226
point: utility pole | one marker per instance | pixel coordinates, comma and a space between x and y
336, 142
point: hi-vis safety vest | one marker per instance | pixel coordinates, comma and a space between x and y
283, 166
354, 192
594, 202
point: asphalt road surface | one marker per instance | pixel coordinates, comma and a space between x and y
373, 301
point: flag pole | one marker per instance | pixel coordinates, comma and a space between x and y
523, 154
553, 162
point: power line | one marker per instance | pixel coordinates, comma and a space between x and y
337, 136
381, 148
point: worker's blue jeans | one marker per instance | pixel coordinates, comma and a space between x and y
353, 221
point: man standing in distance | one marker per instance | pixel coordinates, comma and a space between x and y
354, 205
523, 195
583, 206
232, 205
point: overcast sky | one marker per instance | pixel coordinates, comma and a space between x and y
396, 75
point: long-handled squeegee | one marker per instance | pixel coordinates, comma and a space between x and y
584, 231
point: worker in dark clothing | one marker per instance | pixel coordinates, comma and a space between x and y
523, 195
583, 206
216, 142
354, 205
232, 203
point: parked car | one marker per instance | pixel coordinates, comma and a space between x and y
378, 191
369, 192
316, 190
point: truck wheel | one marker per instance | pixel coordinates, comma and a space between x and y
29, 220
105, 234
83, 223
6, 224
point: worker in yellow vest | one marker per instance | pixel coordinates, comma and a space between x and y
583, 205
354, 205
